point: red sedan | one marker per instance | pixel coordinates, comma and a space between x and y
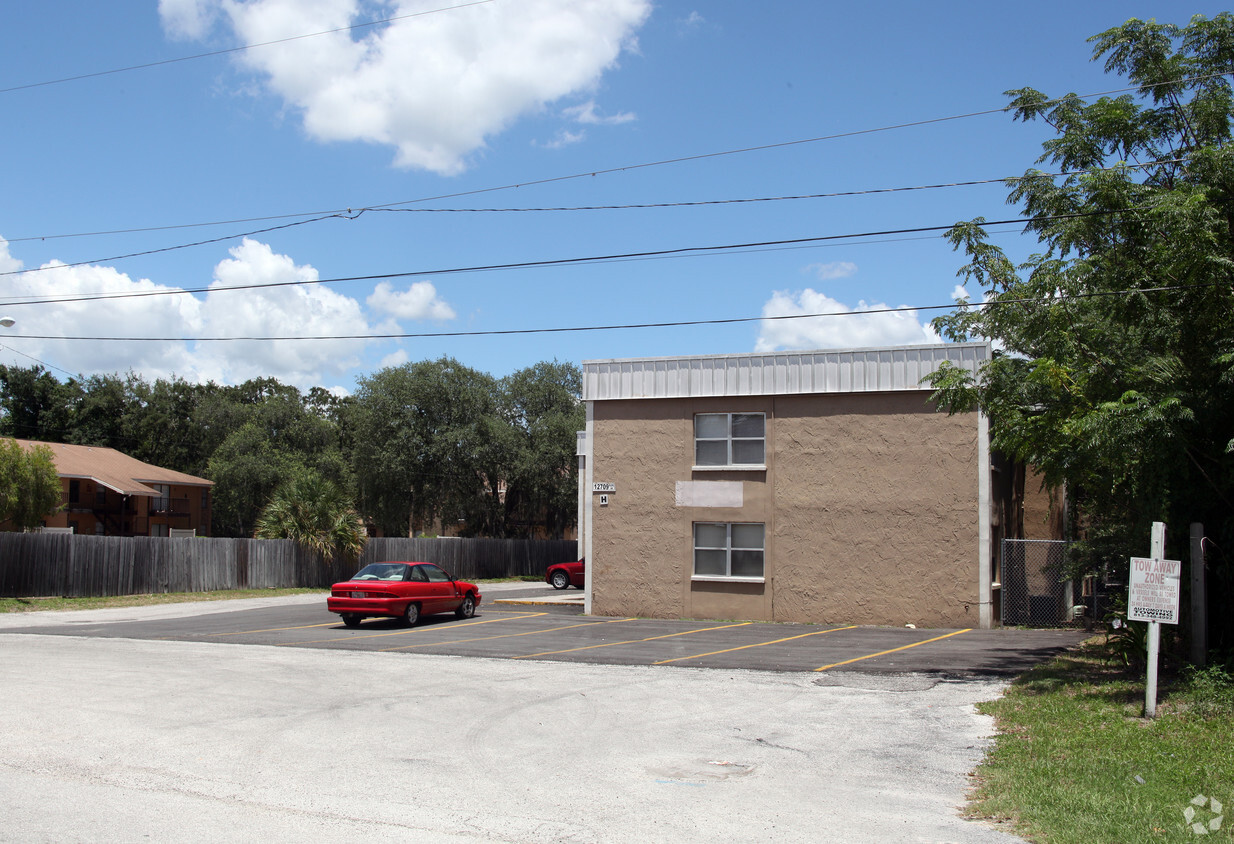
563, 575
402, 590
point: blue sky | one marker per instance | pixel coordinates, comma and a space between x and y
455, 127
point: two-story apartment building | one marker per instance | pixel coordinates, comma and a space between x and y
108, 493
816, 487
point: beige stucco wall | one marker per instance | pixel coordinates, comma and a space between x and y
870, 503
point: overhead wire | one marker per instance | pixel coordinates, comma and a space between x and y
240, 49
223, 238
352, 214
518, 265
36, 360
626, 326
603, 171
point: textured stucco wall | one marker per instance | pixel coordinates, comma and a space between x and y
870, 503
1044, 513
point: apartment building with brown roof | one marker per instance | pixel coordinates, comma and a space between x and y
108, 493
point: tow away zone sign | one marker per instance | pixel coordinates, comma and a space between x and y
1153, 590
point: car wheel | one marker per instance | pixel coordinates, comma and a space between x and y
412, 614
467, 609
561, 579
352, 620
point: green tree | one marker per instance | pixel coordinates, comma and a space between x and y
544, 408
428, 444
101, 411
266, 434
34, 405
315, 513
30, 489
1115, 370
165, 425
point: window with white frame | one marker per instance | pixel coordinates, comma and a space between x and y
730, 550
730, 439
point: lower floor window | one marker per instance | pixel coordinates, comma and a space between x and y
728, 550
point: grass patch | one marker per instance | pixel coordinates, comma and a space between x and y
35, 604
1074, 761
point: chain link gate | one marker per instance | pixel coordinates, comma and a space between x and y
1033, 593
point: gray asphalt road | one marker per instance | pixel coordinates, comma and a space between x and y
110, 739
552, 631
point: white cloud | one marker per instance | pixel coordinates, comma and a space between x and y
433, 86
295, 310
289, 311
586, 113
8, 264
140, 316
833, 270
419, 302
564, 138
188, 19
960, 292
839, 331
395, 358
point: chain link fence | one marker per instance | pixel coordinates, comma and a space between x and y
1033, 592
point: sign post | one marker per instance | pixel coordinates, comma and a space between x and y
1152, 596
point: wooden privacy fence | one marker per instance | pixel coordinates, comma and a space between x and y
43, 564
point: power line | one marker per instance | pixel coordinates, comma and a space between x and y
607, 171
556, 262
240, 49
353, 214
626, 326
61, 266
36, 360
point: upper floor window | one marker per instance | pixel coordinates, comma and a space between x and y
163, 502
729, 439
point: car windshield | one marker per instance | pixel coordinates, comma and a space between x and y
382, 571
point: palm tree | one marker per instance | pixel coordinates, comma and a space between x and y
316, 513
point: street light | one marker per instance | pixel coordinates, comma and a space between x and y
7, 321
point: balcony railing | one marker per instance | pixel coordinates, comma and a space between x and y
169, 507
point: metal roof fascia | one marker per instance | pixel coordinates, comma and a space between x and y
776, 373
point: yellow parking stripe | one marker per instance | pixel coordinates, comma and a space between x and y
893, 650
274, 629
633, 641
402, 632
327, 624
756, 645
506, 635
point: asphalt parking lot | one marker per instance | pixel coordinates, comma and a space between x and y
267, 720
527, 622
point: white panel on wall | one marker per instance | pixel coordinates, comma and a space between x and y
710, 494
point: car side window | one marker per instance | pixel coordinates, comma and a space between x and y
435, 575
417, 574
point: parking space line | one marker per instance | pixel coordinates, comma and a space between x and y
327, 624
404, 631
634, 641
273, 629
507, 635
755, 645
893, 650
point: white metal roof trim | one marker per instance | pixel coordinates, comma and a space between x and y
776, 373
